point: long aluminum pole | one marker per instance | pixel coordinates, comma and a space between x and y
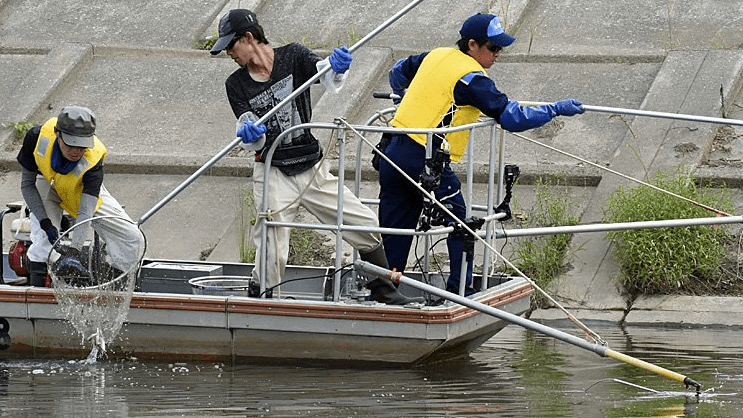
619, 226
650, 113
271, 112
602, 350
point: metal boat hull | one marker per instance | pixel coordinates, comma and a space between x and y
241, 329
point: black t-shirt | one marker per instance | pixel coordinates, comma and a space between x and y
293, 65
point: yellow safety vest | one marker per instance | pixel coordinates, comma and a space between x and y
430, 97
68, 186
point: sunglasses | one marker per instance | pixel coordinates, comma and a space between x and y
233, 42
493, 48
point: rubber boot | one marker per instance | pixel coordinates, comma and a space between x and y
37, 274
383, 291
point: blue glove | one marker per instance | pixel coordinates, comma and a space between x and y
51, 231
250, 132
569, 107
340, 60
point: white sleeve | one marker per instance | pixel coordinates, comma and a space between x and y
257, 145
332, 81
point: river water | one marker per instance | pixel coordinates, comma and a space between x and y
515, 374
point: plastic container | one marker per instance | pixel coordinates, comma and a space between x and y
221, 285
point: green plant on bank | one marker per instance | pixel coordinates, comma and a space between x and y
20, 128
206, 43
246, 218
207, 251
306, 248
663, 260
305, 245
543, 258
533, 31
352, 36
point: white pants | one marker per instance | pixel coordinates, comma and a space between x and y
320, 199
123, 239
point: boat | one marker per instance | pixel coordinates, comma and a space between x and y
167, 321
321, 314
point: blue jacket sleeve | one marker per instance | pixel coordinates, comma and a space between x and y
478, 90
402, 73
517, 118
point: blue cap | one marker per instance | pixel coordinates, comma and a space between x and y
485, 26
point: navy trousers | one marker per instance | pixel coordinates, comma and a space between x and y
401, 204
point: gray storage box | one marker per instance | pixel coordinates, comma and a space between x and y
173, 277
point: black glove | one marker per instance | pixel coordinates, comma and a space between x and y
72, 271
51, 231
68, 251
71, 267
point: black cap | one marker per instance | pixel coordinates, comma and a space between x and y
235, 22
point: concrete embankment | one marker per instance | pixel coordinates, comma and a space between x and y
163, 113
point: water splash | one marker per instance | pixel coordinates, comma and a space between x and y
93, 356
707, 394
94, 291
96, 312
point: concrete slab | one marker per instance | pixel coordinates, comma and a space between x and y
335, 22
605, 28
687, 311
556, 318
26, 23
716, 82
163, 104
29, 79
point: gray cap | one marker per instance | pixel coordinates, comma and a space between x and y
77, 126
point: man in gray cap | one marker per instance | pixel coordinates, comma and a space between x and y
62, 170
442, 88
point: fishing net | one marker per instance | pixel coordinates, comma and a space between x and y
94, 285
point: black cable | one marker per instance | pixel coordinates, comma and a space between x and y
328, 275
419, 259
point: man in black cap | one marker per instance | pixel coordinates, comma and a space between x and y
62, 170
265, 78
442, 88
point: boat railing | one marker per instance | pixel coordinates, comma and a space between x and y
341, 131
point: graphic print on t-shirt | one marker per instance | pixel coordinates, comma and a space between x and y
287, 116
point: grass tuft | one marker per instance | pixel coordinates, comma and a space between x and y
663, 260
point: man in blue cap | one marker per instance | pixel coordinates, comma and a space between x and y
442, 88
